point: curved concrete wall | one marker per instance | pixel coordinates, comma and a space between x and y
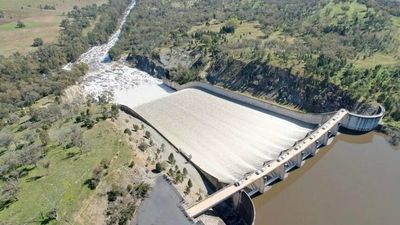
244, 207
355, 122
363, 123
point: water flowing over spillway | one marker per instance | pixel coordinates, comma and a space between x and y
128, 86
225, 139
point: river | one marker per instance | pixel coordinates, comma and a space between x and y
126, 85
355, 180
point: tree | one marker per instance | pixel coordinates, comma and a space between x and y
20, 24
147, 134
158, 167
143, 146
104, 112
8, 193
171, 159
128, 131
6, 138
185, 172
37, 42
114, 111
44, 137
190, 185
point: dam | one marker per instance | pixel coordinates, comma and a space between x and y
238, 142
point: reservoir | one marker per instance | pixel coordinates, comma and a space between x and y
355, 180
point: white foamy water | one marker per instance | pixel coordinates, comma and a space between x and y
129, 86
225, 139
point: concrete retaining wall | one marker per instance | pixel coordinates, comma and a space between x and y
363, 123
355, 122
244, 207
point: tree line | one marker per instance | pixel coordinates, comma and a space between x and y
27, 78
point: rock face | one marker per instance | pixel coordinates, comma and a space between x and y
168, 61
265, 81
149, 66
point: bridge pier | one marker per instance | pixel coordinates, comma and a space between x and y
298, 159
281, 172
313, 149
260, 184
324, 139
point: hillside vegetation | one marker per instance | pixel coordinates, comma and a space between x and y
313, 55
25, 78
41, 18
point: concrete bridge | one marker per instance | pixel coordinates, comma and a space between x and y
291, 158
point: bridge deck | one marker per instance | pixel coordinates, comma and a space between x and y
229, 190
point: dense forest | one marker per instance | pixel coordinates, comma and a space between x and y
313, 55
27, 78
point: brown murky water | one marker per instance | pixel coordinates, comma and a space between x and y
353, 181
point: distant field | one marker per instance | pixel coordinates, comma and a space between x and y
39, 22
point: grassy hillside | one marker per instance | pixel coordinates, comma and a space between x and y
39, 174
40, 22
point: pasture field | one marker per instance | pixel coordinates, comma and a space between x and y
39, 22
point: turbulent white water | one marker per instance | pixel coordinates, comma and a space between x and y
225, 139
129, 86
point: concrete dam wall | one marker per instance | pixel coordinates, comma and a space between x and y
355, 122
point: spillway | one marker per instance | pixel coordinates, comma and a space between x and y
225, 139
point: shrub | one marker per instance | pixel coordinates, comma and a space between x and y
105, 163
160, 167
20, 24
143, 146
171, 158
128, 131
142, 190
37, 42
147, 134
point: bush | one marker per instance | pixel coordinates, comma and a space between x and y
128, 131
113, 194
143, 146
105, 163
147, 134
37, 42
20, 24
160, 167
171, 158
142, 190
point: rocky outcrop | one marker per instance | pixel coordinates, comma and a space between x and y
264, 81
148, 65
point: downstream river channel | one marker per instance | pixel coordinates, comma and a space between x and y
353, 181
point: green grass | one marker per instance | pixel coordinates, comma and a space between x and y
39, 23
378, 59
62, 183
29, 25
